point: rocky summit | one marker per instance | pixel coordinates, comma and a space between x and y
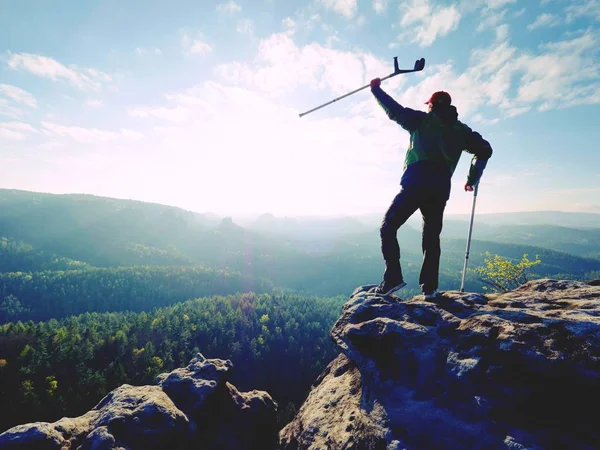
192, 407
518, 370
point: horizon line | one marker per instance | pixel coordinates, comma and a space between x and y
280, 215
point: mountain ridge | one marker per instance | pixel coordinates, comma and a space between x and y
114, 233
371, 219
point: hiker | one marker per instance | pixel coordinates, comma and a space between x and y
437, 139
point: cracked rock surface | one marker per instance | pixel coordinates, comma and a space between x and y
519, 370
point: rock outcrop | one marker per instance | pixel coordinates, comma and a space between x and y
519, 370
192, 407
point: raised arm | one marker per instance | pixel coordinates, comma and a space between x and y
407, 118
481, 150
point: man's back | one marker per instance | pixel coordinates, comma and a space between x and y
437, 137
437, 140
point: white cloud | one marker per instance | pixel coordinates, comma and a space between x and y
488, 6
165, 130
18, 126
565, 73
502, 32
15, 130
148, 51
131, 134
230, 7
346, 8
195, 45
557, 75
88, 135
8, 109
478, 118
187, 98
306, 20
583, 9
98, 74
50, 145
245, 26
13, 99
6, 134
490, 19
424, 23
514, 111
83, 79
94, 103
495, 4
332, 40
200, 47
544, 20
281, 66
380, 6
17, 95
358, 23
176, 114
290, 25
85, 135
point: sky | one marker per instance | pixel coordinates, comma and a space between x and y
196, 103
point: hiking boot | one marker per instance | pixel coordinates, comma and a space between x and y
387, 288
431, 295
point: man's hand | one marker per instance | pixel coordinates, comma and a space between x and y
468, 188
375, 82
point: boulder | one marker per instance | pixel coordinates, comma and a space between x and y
129, 417
192, 407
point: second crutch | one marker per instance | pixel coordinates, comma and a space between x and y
464, 274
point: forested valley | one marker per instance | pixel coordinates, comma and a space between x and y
98, 292
64, 367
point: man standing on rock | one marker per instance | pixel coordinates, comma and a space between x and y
437, 140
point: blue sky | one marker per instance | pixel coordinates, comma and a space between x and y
195, 103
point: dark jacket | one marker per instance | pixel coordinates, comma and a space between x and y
437, 140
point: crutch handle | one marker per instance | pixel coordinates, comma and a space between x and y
419, 65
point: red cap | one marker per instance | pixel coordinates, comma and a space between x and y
440, 98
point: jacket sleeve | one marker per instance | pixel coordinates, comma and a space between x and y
407, 118
481, 150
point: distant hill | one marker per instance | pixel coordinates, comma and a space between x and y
304, 228
558, 218
555, 218
577, 241
62, 293
574, 233
453, 249
18, 256
109, 232
320, 256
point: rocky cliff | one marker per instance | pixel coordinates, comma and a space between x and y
519, 370
192, 407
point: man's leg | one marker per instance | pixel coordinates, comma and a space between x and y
433, 214
403, 206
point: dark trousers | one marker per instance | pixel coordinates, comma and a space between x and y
431, 202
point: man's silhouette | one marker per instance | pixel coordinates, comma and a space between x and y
437, 140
